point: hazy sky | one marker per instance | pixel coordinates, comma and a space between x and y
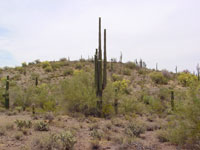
162, 31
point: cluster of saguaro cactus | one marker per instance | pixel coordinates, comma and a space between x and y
100, 70
6, 95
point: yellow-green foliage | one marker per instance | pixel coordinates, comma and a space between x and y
116, 77
77, 72
186, 78
131, 65
20, 69
127, 72
121, 86
79, 94
47, 66
184, 125
24, 64
158, 78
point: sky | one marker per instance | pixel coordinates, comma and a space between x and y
166, 32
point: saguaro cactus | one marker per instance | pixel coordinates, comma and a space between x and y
33, 108
105, 62
100, 79
6, 95
36, 81
198, 72
176, 69
172, 100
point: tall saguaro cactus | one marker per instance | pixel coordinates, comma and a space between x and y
105, 63
172, 100
6, 95
100, 72
36, 81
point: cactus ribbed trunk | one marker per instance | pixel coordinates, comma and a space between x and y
105, 62
172, 100
100, 74
7, 100
36, 81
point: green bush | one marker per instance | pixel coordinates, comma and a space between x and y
62, 141
41, 126
134, 129
121, 86
127, 72
45, 64
68, 71
23, 124
79, 66
186, 79
116, 77
48, 69
184, 125
79, 94
24, 64
131, 65
158, 78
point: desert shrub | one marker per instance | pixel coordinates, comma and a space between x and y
116, 77
164, 94
183, 127
49, 116
67, 139
79, 94
18, 136
63, 59
167, 74
21, 97
23, 124
158, 78
142, 71
2, 131
45, 64
20, 69
37, 61
34, 75
31, 63
121, 86
130, 65
62, 141
68, 71
24, 64
108, 99
131, 105
134, 129
79, 66
48, 69
96, 134
157, 106
127, 72
44, 97
41, 126
186, 79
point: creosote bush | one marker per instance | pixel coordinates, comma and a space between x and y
131, 65
158, 78
186, 79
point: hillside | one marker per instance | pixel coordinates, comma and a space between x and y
138, 112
